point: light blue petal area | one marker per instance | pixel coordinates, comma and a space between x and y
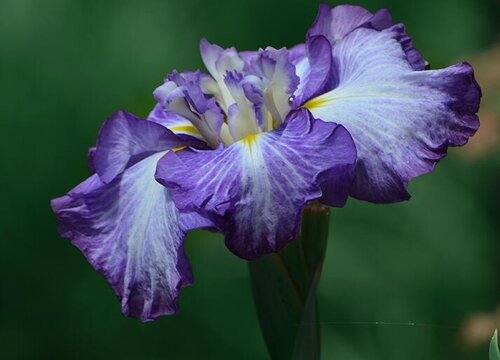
402, 120
131, 232
258, 186
124, 138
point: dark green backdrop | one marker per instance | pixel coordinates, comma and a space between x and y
66, 65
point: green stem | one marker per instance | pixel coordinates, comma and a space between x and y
494, 350
284, 287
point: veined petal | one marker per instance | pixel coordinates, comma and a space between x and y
402, 120
259, 185
125, 138
339, 21
131, 232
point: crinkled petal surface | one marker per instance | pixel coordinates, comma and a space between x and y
125, 139
402, 120
132, 233
259, 185
340, 21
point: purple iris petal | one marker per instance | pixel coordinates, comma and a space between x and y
276, 68
338, 22
315, 70
210, 53
132, 233
183, 94
165, 118
179, 125
253, 89
354, 116
414, 58
297, 53
249, 56
191, 85
402, 120
218, 62
259, 185
125, 138
275, 65
90, 161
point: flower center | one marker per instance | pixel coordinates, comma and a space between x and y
239, 99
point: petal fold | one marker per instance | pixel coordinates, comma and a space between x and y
315, 69
257, 187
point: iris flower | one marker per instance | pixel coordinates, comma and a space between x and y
241, 150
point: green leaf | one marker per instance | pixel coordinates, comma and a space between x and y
284, 288
494, 351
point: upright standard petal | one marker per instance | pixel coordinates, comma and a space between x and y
218, 62
131, 232
258, 186
183, 94
125, 138
275, 67
402, 120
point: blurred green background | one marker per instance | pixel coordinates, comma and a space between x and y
66, 65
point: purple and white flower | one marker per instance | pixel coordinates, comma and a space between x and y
241, 150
